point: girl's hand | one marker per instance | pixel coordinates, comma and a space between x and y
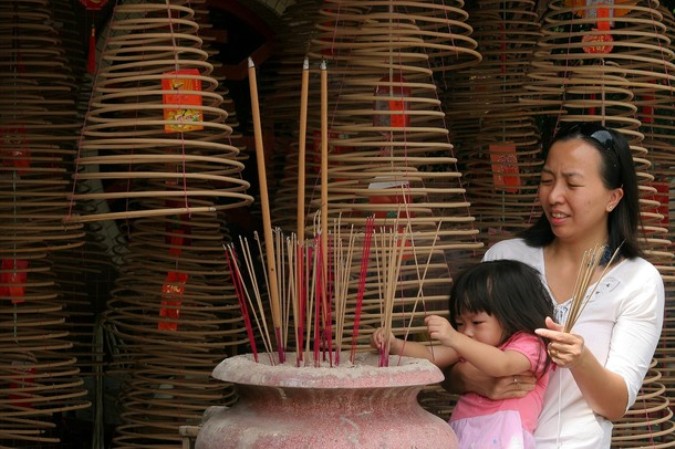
378, 339
565, 349
439, 329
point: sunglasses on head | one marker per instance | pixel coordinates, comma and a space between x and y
593, 131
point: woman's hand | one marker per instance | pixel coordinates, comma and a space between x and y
566, 350
604, 390
464, 377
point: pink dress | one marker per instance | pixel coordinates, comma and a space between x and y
481, 423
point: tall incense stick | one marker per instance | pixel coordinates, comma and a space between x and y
300, 298
302, 141
324, 255
265, 206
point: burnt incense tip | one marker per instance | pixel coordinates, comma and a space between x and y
250, 63
305, 64
323, 65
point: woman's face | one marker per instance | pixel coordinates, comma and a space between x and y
572, 194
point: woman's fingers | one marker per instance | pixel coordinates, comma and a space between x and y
566, 350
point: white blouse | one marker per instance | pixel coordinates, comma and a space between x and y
621, 325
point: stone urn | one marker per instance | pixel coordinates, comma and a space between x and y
357, 405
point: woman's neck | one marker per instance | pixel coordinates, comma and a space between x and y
573, 251
562, 262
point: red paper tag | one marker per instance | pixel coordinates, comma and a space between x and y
93, 5
14, 148
505, 171
176, 242
13, 279
178, 101
397, 108
662, 197
647, 108
591, 109
177, 229
172, 300
603, 18
600, 43
26, 379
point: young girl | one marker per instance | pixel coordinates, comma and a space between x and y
495, 307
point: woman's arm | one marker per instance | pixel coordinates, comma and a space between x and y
604, 390
611, 388
464, 377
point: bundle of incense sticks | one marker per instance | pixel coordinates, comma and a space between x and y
589, 264
315, 306
307, 282
312, 304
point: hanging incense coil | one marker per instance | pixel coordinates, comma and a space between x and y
655, 110
625, 40
189, 246
173, 314
650, 418
155, 128
37, 139
169, 390
84, 275
69, 26
497, 137
440, 31
390, 158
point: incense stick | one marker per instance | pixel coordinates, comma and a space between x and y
589, 263
365, 256
302, 139
240, 291
265, 206
420, 290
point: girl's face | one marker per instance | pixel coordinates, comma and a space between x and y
572, 194
481, 327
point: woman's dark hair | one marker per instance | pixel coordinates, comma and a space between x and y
617, 170
509, 290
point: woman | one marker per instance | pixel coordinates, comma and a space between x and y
589, 196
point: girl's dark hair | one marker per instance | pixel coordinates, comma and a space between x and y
509, 290
617, 170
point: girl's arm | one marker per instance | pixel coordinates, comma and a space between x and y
486, 358
439, 355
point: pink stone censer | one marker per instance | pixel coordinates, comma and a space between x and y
352, 406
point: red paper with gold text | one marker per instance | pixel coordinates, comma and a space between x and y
505, 171
172, 300
180, 103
